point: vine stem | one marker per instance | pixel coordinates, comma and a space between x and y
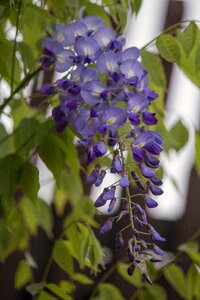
168, 29
19, 87
15, 47
127, 188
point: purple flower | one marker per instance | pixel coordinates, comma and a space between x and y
100, 149
150, 202
158, 250
74, 31
116, 165
112, 138
124, 181
134, 118
155, 235
92, 178
108, 62
87, 49
151, 161
136, 103
137, 153
119, 241
131, 270
155, 260
112, 204
100, 178
149, 118
91, 92
104, 36
139, 209
130, 53
114, 117
147, 278
109, 194
133, 71
59, 118
137, 180
156, 180
64, 60
154, 189
107, 226
93, 24
146, 172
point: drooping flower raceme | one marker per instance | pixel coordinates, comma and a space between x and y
104, 95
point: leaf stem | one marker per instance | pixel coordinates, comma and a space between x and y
168, 29
15, 47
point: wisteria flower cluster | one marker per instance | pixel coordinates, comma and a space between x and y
105, 89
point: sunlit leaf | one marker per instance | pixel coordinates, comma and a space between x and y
57, 290
108, 291
153, 64
188, 37
176, 278
169, 48
62, 256
81, 278
29, 180
23, 274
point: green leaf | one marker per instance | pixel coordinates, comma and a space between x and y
6, 142
57, 290
153, 64
175, 276
45, 296
29, 213
188, 37
29, 180
108, 291
26, 135
197, 60
197, 152
135, 280
51, 155
193, 283
35, 288
44, 215
81, 278
136, 4
62, 256
26, 56
169, 48
5, 238
9, 168
155, 292
67, 286
23, 274
84, 246
177, 137
189, 247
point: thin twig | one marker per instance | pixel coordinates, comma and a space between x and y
15, 48
168, 30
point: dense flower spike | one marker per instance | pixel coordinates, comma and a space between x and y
103, 93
